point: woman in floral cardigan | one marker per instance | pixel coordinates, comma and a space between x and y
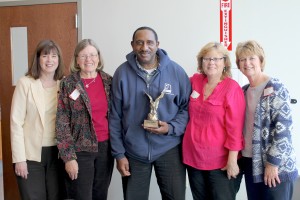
82, 125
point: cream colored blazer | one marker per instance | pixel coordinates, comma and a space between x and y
27, 120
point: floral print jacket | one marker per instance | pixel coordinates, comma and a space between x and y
74, 127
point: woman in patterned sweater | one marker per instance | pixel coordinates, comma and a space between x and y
269, 160
82, 125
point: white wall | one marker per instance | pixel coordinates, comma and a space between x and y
182, 27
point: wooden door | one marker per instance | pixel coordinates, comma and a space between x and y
48, 21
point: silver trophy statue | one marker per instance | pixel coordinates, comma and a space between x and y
152, 119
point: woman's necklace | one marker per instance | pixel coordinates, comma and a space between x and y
208, 89
87, 85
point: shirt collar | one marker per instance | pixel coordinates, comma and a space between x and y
142, 68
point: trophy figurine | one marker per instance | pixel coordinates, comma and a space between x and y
152, 119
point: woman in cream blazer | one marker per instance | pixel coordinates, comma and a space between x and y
33, 113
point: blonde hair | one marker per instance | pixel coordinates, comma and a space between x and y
249, 48
220, 49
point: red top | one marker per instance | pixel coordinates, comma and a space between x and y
215, 125
99, 107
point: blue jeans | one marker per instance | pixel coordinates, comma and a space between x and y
45, 178
260, 191
170, 174
95, 171
213, 184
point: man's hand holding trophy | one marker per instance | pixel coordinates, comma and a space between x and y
152, 123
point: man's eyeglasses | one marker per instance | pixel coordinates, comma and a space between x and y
86, 56
206, 60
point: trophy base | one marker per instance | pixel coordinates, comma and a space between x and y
151, 123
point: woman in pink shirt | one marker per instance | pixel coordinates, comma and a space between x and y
213, 136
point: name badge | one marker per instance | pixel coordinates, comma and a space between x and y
195, 94
268, 91
74, 95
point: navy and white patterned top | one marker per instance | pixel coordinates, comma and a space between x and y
272, 133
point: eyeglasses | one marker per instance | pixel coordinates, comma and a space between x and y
86, 56
206, 60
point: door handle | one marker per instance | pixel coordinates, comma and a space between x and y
293, 101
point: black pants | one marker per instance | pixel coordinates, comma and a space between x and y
45, 178
170, 174
94, 175
260, 191
212, 184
